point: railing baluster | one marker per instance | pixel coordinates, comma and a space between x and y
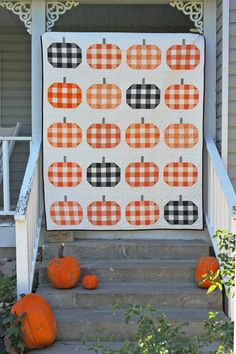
6, 181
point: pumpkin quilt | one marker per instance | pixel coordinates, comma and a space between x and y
123, 130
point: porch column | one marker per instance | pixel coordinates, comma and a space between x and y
38, 28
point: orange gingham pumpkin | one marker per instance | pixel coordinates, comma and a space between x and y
104, 213
66, 213
65, 174
142, 135
103, 96
183, 56
143, 56
182, 96
141, 174
180, 174
64, 95
64, 135
103, 135
181, 135
142, 212
104, 56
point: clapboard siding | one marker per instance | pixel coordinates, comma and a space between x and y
15, 86
218, 72
232, 93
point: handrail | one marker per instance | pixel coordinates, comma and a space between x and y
222, 174
27, 181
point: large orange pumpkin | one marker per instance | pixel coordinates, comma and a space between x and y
63, 272
104, 213
180, 174
204, 266
104, 55
38, 325
90, 282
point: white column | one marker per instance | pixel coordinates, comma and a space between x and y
38, 28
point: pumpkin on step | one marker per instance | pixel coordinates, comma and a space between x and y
63, 272
90, 282
38, 324
204, 266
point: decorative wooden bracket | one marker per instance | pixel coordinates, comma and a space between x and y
54, 9
194, 9
21, 9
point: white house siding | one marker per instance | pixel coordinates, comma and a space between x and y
218, 72
232, 94
15, 101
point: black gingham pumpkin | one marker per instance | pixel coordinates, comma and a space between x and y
183, 56
103, 135
64, 55
143, 96
103, 174
180, 212
104, 212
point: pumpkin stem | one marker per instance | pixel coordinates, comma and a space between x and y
104, 41
64, 79
182, 81
64, 119
144, 41
142, 198
181, 120
103, 120
181, 159
142, 120
142, 158
183, 41
103, 198
61, 250
63, 40
65, 198
64, 158
180, 198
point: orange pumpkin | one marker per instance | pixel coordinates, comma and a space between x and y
204, 266
141, 174
181, 136
180, 174
64, 135
64, 95
66, 212
183, 56
143, 56
104, 213
38, 325
90, 282
63, 272
103, 135
182, 96
104, 56
142, 135
142, 212
65, 174
104, 96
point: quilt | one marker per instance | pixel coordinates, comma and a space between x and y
122, 130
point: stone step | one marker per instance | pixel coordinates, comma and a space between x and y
130, 249
90, 324
134, 270
184, 295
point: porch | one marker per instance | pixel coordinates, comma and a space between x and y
26, 203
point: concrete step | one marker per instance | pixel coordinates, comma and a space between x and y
130, 249
90, 324
134, 270
184, 295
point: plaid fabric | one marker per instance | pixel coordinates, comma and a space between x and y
181, 96
143, 96
103, 174
64, 95
180, 212
140, 213
104, 56
183, 57
141, 174
104, 96
180, 174
142, 135
143, 57
66, 213
64, 135
65, 174
104, 213
181, 135
103, 136
64, 55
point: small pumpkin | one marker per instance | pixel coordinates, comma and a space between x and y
38, 325
205, 265
63, 272
90, 282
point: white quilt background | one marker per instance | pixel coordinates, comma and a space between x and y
123, 116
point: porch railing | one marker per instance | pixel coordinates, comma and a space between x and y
28, 219
5, 168
220, 210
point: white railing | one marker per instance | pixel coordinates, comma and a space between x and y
220, 210
28, 219
6, 143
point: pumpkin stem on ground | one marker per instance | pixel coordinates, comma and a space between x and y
61, 250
